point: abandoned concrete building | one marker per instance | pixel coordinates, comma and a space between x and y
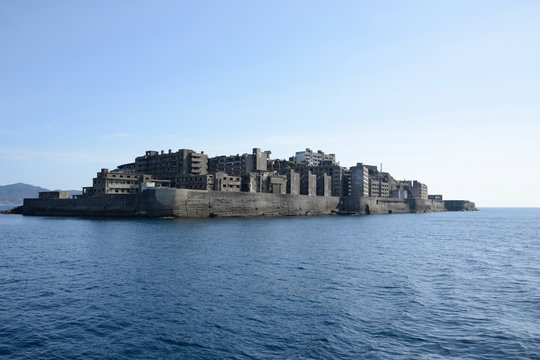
311, 158
419, 190
168, 166
404, 189
53, 194
265, 182
334, 171
240, 164
195, 182
378, 187
308, 173
226, 182
120, 183
359, 180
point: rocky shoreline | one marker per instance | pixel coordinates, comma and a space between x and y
14, 210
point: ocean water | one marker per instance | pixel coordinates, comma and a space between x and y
418, 286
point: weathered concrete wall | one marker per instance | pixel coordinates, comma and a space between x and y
111, 205
205, 204
165, 202
324, 185
426, 205
364, 205
293, 182
185, 203
459, 205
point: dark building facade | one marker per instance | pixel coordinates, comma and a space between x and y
167, 166
240, 164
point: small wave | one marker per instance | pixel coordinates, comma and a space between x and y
182, 342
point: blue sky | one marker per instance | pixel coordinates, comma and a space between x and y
446, 92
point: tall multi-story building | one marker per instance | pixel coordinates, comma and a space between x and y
333, 170
311, 158
419, 190
309, 173
346, 183
359, 180
167, 166
378, 187
240, 164
119, 183
195, 182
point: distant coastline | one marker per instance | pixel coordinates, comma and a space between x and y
14, 194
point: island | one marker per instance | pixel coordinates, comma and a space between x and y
189, 184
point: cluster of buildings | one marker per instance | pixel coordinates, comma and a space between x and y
305, 173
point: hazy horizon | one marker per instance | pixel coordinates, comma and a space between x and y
442, 92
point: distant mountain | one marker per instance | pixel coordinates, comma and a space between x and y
15, 193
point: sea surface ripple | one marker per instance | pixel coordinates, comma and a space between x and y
416, 286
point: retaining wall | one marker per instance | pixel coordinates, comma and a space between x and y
369, 205
185, 203
165, 202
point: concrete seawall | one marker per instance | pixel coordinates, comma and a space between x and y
459, 205
369, 206
194, 203
184, 203
166, 202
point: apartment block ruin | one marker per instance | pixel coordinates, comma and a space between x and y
307, 173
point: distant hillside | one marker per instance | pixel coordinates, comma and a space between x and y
15, 193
